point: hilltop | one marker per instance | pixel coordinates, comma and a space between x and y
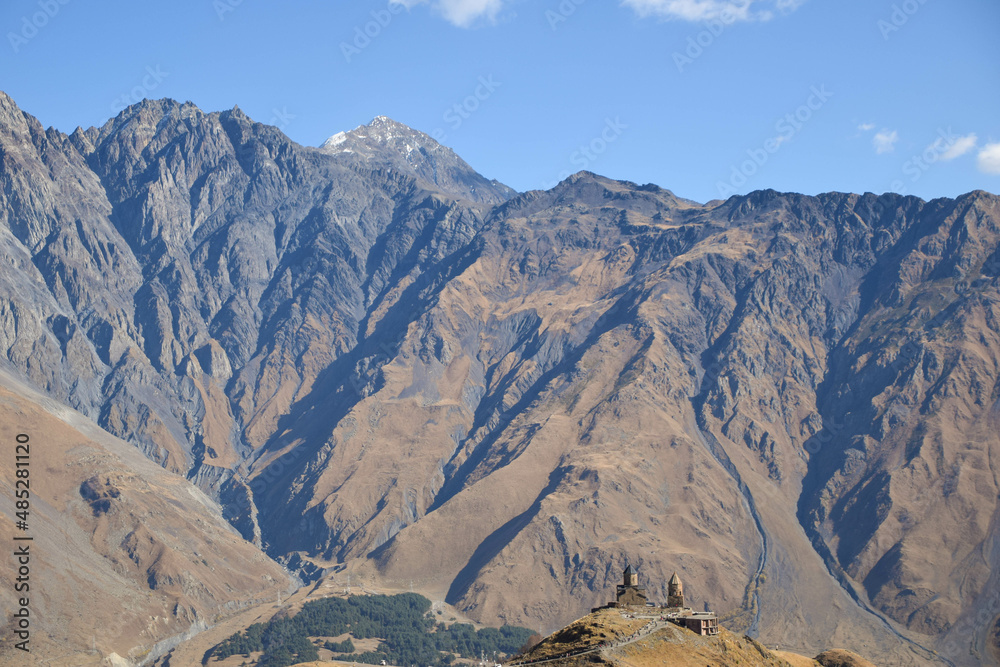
666, 644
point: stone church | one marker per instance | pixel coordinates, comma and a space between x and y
675, 592
630, 593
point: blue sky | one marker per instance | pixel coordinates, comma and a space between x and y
704, 97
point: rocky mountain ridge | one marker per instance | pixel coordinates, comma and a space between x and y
379, 360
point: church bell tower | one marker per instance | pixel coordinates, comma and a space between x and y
675, 592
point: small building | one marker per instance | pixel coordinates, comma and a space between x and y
630, 593
702, 623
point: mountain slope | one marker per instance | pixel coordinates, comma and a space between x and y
503, 399
107, 524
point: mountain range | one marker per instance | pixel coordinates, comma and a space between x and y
366, 358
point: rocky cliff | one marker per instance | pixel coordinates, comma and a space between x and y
373, 357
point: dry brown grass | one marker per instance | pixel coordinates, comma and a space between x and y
127, 553
592, 629
670, 645
840, 658
796, 660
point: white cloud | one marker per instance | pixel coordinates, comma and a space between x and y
989, 159
866, 127
885, 141
958, 146
462, 13
704, 10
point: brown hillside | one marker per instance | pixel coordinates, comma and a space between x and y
841, 658
669, 645
112, 531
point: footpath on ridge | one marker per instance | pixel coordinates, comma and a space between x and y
644, 631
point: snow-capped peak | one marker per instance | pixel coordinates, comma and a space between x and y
396, 146
381, 129
335, 140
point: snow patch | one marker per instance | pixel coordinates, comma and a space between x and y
335, 140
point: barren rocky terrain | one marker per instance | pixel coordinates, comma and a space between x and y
380, 362
124, 554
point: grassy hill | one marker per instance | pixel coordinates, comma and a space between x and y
669, 645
